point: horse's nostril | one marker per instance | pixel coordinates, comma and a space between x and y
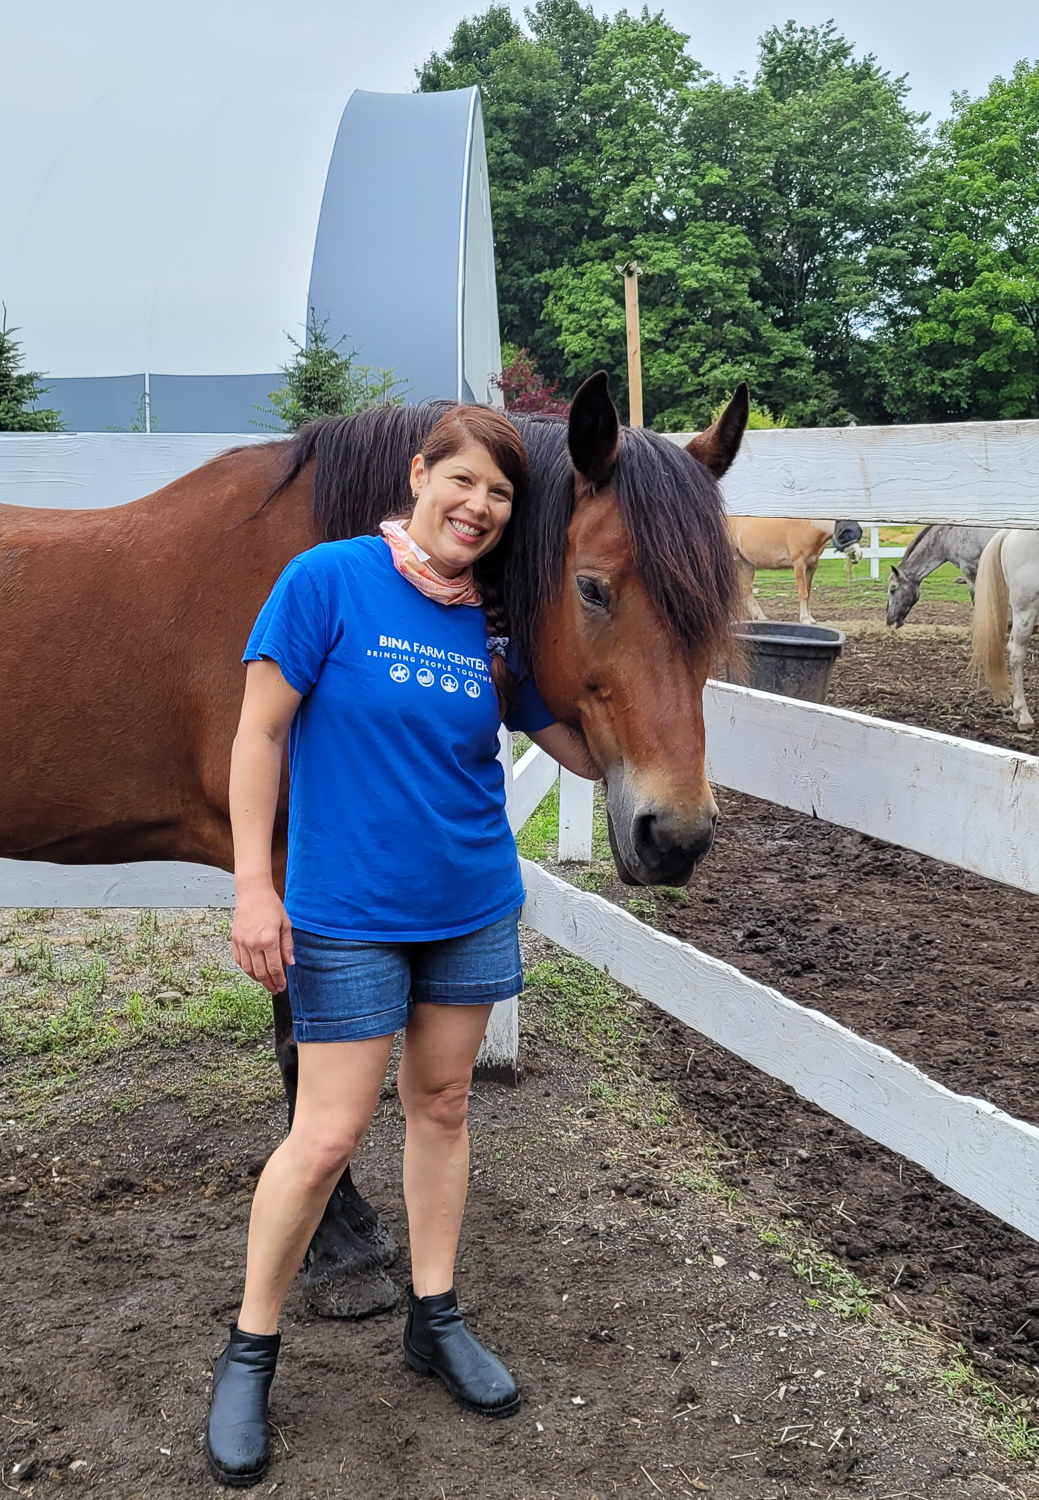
645, 833
667, 859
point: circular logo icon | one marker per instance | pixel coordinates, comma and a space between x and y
473, 689
399, 672
449, 684
424, 677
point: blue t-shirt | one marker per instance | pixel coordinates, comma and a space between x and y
397, 827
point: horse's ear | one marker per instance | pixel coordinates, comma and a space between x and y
594, 430
718, 446
894, 572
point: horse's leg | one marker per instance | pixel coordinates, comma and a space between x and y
803, 575
344, 1273
1020, 634
752, 610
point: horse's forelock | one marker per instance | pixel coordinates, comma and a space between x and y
675, 515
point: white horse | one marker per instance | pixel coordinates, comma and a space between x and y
1008, 579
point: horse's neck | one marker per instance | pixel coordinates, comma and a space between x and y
927, 555
962, 545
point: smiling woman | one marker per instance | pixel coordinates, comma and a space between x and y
383, 661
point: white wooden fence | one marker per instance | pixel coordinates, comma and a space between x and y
956, 800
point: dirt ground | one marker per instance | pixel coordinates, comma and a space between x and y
936, 964
703, 1284
670, 1336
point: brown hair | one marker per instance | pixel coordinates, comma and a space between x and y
481, 427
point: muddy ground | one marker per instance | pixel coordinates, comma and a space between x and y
936, 964
662, 1336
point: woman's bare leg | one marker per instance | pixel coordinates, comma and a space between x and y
339, 1085
440, 1047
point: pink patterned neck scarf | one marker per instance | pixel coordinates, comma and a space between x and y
413, 564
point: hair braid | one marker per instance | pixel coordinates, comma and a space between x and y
506, 685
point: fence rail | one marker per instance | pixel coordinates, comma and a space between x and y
967, 473
969, 1144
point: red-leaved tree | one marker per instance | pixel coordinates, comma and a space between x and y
526, 390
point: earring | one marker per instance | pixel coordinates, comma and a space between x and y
414, 494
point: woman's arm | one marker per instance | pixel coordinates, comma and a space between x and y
568, 747
261, 935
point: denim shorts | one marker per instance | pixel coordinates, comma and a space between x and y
347, 991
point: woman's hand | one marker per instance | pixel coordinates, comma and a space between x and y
568, 747
261, 937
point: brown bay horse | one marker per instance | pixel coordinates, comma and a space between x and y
124, 628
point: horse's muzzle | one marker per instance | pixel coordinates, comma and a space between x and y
659, 851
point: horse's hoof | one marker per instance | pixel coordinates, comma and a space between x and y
341, 1292
382, 1243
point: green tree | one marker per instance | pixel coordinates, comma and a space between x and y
322, 382
539, 142
20, 390
703, 328
813, 161
770, 217
965, 340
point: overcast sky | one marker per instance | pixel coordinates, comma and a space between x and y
76, 50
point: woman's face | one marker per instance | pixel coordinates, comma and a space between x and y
463, 506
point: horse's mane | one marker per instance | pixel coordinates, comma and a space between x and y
916, 542
670, 504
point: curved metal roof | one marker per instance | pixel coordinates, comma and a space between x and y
180, 235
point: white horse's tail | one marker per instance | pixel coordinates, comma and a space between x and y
989, 631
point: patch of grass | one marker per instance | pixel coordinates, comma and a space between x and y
125, 1104
36, 958
1008, 1420
839, 1289
538, 839
595, 877
834, 1285
705, 1179
253, 1082
643, 908
833, 587
33, 914
600, 828
584, 1007
63, 1013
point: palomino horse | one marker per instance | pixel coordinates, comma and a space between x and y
1007, 586
123, 629
763, 542
934, 545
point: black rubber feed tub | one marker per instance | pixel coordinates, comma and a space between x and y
795, 660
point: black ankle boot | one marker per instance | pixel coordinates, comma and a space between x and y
238, 1434
437, 1342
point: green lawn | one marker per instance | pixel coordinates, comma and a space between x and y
859, 590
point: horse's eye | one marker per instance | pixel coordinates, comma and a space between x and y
593, 592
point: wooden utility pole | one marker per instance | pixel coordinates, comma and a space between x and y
631, 315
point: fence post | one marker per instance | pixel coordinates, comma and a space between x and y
576, 802
874, 547
498, 1057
